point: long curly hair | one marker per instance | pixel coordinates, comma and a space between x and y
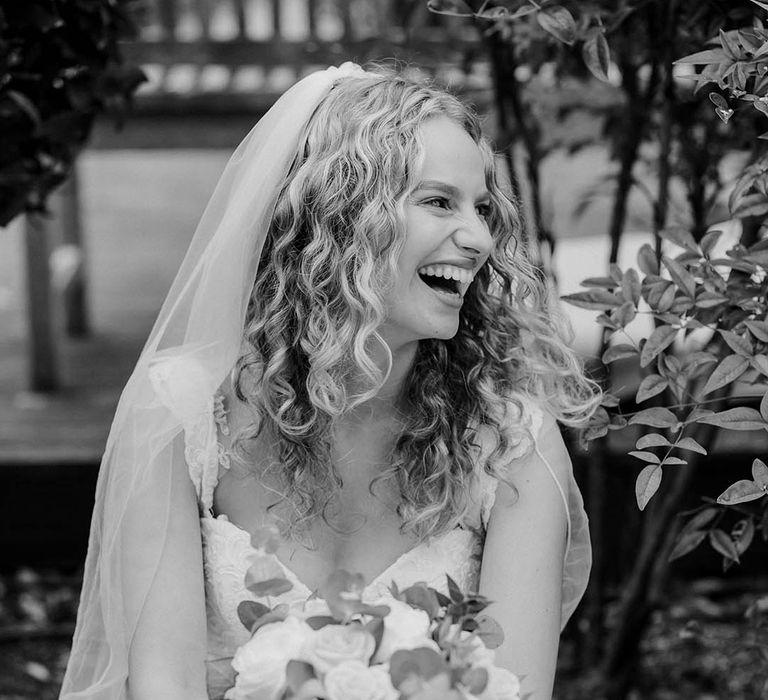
318, 302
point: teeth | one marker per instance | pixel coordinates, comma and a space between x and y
462, 276
448, 272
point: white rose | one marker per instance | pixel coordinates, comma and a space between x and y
479, 654
260, 662
502, 685
333, 644
353, 680
404, 628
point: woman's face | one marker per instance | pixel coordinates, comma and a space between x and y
447, 238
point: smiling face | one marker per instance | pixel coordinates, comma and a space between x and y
446, 237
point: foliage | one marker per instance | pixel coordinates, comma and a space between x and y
59, 67
688, 292
718, 302
628, 68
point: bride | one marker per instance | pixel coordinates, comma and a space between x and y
356, 348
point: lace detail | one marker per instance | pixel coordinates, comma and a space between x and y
226, 557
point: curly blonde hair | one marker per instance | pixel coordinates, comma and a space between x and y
318, 303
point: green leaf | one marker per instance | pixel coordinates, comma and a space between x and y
645, 456
690, 444
759, 329
742, 534
704, 57
741, 418
273, 586
709, 241
454, 590
741, 491
596, 54
647, 484
651, 385
646, 260
687, 542
684, 279
625, 314
652, 440
764, 406
630, 286
729, 369
618, 352
422, 663
722, 543
680, 237
657, 417
489, 631
26, 105
598, 299
317, 622
760, 363
759, 257
701, 519
760, 473
249, 611
454, 8
558, 22
661, 338
607, 282
423, 597
752, 205
673, 461
667, 299
739, 344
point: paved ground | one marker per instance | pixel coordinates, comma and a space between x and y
140, 210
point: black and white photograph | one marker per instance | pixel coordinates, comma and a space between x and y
384, 350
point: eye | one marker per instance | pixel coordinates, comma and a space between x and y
483, 210
439, 202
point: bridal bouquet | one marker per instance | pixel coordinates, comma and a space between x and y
419, 644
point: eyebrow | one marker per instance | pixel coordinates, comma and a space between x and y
448, 189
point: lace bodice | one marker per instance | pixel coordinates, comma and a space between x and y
227, 550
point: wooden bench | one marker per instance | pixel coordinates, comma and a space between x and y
215, 66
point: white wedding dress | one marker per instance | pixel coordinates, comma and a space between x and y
227, 548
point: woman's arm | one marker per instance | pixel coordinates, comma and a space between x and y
167, 656
523, 563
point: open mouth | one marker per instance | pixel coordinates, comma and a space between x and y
447, 279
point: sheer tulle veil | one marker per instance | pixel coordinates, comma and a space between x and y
192, 347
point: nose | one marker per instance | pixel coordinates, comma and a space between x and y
472, 235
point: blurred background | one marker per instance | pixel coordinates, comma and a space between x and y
606, 145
